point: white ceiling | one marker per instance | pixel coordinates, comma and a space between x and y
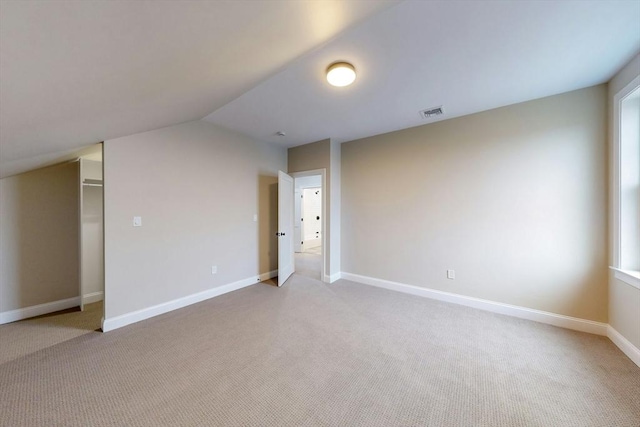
74, 73
467, 56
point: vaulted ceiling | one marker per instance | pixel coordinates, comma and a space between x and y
467, 57
76, 73
73, 73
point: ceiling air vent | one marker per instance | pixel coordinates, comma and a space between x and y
431, 112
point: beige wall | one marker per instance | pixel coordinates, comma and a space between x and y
316, 155
323, 154
39, 237
196, 187
624, 299
512, 199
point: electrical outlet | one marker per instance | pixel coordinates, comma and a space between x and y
214, 269
451, 274
137, 221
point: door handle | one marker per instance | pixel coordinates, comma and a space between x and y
279, 234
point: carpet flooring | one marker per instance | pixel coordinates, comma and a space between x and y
22, 338
308, 264
311, 354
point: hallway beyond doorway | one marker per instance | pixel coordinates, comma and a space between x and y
315, 250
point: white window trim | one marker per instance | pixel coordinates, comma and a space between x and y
630, 277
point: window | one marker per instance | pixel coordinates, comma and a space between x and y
626, 194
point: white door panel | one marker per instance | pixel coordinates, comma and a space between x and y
286, 264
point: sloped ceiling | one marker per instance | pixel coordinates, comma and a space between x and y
467, 56
73, 73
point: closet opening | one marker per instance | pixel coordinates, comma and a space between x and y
91, 239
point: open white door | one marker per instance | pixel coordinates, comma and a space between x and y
285, 227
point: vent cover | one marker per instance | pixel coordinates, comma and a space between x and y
431, 112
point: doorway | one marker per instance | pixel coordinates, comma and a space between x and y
67, 201
91, 238
309, 223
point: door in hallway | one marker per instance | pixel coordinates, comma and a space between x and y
286, 264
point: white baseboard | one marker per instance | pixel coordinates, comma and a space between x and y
268, 275
559, 320
38, 310
624, 344
146, 313
331, 278
92, 297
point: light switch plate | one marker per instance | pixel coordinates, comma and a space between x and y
451, 274
137, 221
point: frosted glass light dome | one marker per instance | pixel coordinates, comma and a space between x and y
341, 74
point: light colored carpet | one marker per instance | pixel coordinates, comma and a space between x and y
29, 336
308, 264
310, 354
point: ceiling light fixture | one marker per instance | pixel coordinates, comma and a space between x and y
341, 74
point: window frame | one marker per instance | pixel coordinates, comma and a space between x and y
630, 277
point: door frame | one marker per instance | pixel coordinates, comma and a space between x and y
80, 234
323, 174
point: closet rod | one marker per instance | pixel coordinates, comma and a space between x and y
92, 182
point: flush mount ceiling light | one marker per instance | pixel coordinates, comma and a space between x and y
341, 74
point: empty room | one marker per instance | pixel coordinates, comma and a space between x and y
320, 213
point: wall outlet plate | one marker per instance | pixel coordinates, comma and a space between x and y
451, 274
